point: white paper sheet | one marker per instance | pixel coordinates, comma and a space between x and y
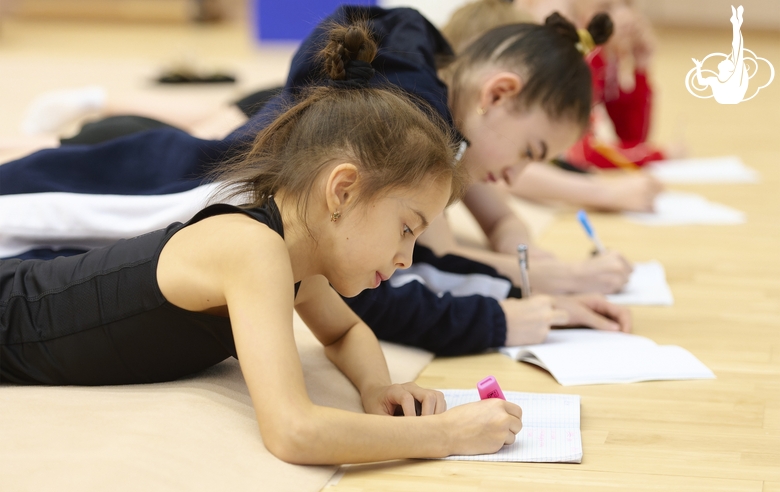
729, 169
551, 428
646, 287
582, 356
678, 208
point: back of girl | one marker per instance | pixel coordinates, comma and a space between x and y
340, 184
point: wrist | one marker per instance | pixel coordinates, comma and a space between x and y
370, 388
444, 436
576, 277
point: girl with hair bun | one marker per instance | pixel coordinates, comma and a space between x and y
518, 94
542, 182
335, 200
622, 92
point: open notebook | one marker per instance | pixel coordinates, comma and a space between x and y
722, 170
678, 208
646, 287
583, 356
551, 428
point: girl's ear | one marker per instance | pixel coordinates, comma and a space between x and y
500, 88
341, 187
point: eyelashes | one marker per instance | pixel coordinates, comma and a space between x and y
406, 230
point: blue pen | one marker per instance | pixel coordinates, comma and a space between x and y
582, 217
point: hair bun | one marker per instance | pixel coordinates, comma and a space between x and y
562, 26
601, 28
349, 45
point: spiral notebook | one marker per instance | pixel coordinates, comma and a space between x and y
551, 428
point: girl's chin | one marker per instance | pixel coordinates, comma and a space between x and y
349, 292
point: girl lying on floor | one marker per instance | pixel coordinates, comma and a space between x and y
340, 186
507, 120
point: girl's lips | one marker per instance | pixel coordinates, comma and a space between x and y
379, 279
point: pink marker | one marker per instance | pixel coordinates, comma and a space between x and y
489, 388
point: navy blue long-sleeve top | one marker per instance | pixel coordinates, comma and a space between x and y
167, 160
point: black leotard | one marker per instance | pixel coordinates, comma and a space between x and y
100, 318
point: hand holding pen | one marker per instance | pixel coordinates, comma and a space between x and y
582, 217
608, 271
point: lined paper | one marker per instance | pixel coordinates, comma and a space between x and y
646, 287
550, 433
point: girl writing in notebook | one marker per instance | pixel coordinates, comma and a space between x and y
522, 94
338, 188
541, 181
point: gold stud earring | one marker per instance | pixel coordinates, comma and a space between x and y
481, 111
335, 216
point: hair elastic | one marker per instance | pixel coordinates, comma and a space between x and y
586, 44
357, 73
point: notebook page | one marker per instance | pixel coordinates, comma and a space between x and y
729, 169
610, 362
551, 428
580, 356
678, 208
646, 287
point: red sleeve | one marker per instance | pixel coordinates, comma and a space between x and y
630, 112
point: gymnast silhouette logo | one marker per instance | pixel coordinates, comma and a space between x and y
730, 84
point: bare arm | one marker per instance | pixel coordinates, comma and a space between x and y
356, 352
233, 261
504, 229
617, 191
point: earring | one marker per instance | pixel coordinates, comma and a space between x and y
481, 111
335, 216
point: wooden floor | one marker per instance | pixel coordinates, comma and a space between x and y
688, 435
684, 435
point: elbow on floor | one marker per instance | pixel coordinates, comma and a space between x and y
295, 443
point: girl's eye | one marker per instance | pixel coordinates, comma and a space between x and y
407, 230
529, 153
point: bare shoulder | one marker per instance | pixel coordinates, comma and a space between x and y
200, 260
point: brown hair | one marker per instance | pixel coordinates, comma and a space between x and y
476, 18
556, 77
394, 142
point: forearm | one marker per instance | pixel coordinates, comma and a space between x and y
505, 264
358, 355
545, 183
412, 314
329, 436
507, 234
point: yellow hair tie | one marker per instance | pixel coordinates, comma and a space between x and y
586, 44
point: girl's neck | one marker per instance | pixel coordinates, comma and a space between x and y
300, 244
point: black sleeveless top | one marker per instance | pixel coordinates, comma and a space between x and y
99, 318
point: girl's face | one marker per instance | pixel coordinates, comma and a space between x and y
373, 239
504, 140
